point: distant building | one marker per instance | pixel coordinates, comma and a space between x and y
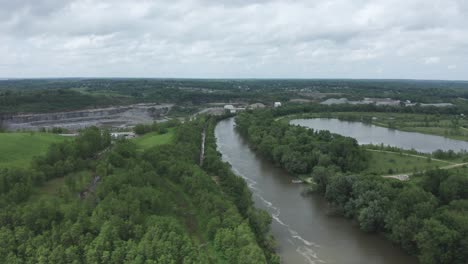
118, 135
230, 108
277, 104
333, 101
376, 101
438, 105
382, 101
434, 105
300, 100
256, 106
69, 135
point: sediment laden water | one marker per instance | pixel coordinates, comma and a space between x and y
304, 230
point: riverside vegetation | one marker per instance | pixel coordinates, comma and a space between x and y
116, 202
426, 216
91, 200
448, 122
450, 126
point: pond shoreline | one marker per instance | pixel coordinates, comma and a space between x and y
376, 135
336, 115
303, 229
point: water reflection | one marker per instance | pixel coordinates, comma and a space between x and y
371, 134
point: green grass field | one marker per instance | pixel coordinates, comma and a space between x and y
154, 139
383, 163
18, 149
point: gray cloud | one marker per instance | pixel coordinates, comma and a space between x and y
425, 39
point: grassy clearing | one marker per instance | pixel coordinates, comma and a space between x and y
18, 149
384, 163
454, 127
154, 139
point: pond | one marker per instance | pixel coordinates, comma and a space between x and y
305, 232
367, 134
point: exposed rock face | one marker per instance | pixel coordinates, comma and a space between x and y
122, 116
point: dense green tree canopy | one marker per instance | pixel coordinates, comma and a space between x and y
427, 216
119, 204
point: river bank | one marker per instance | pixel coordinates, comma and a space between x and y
452, 127
377, 135
331, 152
305, 233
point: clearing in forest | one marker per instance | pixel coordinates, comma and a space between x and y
154, 139
18, 149
387, 163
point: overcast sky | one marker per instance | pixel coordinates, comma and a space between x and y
417, 39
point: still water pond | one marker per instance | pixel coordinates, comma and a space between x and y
305, 233
366, 134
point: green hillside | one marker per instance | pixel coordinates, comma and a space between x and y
154, 139
17, 149
90, 200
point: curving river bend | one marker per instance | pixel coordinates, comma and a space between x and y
305, 233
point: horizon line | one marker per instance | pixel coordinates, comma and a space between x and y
228, 78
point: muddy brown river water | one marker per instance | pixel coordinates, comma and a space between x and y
305, 233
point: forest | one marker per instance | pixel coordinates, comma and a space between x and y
48, 95
426, 216
291, 109
97, 200
122, 204
299, 149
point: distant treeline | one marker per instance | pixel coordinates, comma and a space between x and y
438, 154
290, 109
30, 95
53, 101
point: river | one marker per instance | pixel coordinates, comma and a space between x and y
305, 233
366, 134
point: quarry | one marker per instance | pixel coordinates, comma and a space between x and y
114, 118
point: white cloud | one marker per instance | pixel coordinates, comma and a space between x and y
431, 60
207, 38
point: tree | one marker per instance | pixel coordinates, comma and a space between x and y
321, 176
371, 218
455, 187
339, 190
437, 243
405, 219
